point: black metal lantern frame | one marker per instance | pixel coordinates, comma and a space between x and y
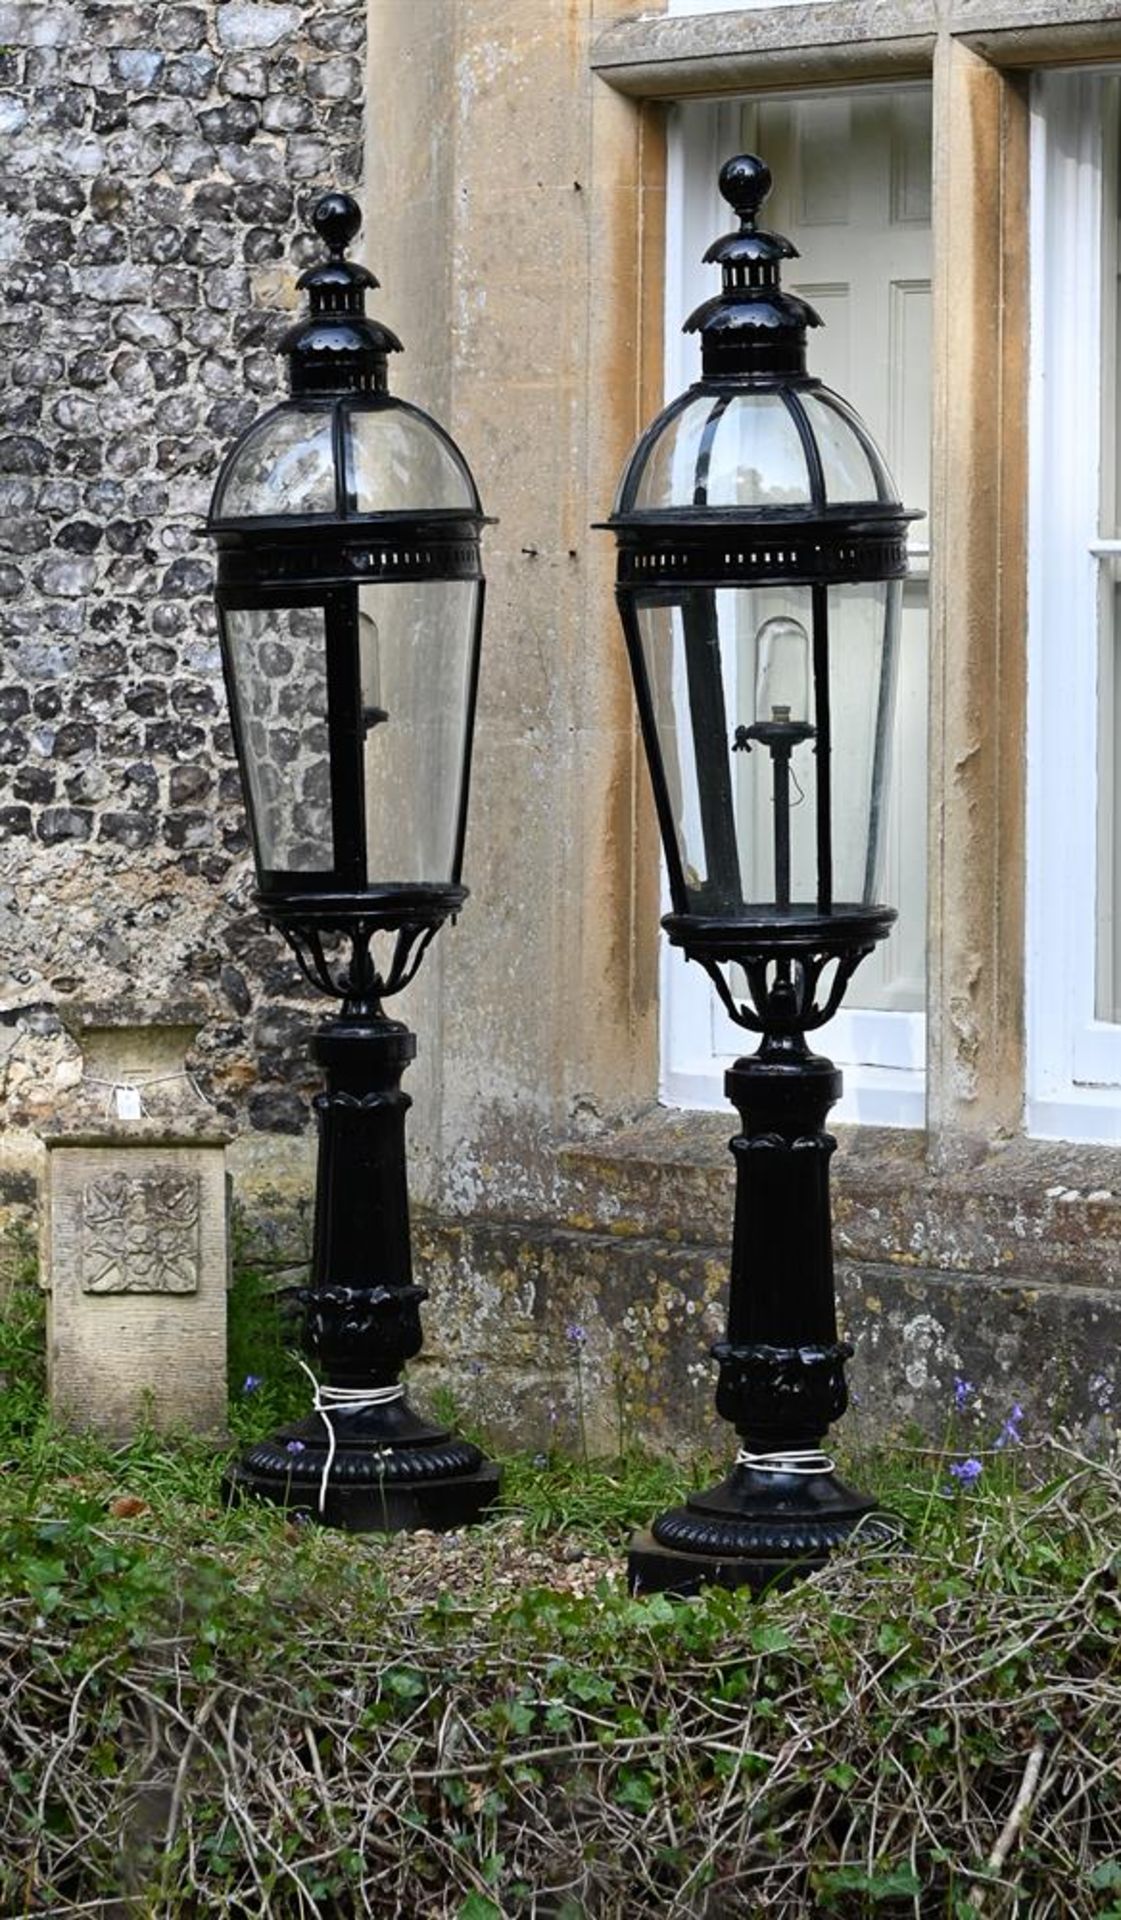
756, 523
348, 529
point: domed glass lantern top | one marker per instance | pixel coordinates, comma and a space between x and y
761, 554
357, 455
350, 598
790, 448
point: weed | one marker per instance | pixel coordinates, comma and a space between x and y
206, 1709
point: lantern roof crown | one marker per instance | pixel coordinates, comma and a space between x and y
751, 327
337, 348
342, 449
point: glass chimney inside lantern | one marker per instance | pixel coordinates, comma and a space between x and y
782, 671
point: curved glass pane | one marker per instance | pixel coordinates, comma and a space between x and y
757, 458
396, 461
415, 651
283, 466
726, 450
864, 648
849, 474
740, 761
278, 669
668, 477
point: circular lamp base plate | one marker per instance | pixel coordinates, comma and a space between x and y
652, 1568
758, 1531
437, 1506
391, 1473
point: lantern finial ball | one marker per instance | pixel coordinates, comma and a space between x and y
745, 182
336, 218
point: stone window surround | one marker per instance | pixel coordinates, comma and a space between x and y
978, 54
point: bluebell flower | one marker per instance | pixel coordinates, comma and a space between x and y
1009, 1435
294, 1446
576, 1334
966, 1471
251, 1382
962, 1391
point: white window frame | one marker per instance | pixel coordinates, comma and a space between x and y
882, 1054
1074, 1058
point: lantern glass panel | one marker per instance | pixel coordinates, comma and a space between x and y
721, 450
284, 465
712, 664
278, 669
864, 654
416, 644
397, 461
847, 469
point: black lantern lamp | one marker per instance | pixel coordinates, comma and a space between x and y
761, 554
350, 598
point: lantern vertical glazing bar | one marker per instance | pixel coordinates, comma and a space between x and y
709, 721
472, 704
823, 748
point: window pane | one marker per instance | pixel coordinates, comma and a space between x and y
1107, 997
278, 661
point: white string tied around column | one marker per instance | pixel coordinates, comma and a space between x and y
327, 1400
802, 1460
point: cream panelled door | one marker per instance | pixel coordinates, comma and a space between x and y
852, 192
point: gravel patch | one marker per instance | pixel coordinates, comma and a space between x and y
487, 1566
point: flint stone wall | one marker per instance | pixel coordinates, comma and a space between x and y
156, 164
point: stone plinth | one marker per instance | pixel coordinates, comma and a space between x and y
135, 1239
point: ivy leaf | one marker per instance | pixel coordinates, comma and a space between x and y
478, 1907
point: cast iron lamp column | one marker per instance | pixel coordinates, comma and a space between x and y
350, 600
761, 553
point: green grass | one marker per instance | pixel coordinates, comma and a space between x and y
209, 1710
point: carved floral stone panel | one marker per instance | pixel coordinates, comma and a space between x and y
140, 1233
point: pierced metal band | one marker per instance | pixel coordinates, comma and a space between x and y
745, 557
337, 555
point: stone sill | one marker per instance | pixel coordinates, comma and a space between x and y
153, 1130
1033, 1211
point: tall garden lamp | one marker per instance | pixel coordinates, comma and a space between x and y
761, 555
350, 602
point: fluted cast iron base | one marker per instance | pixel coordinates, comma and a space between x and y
757, 1530
391, 1472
